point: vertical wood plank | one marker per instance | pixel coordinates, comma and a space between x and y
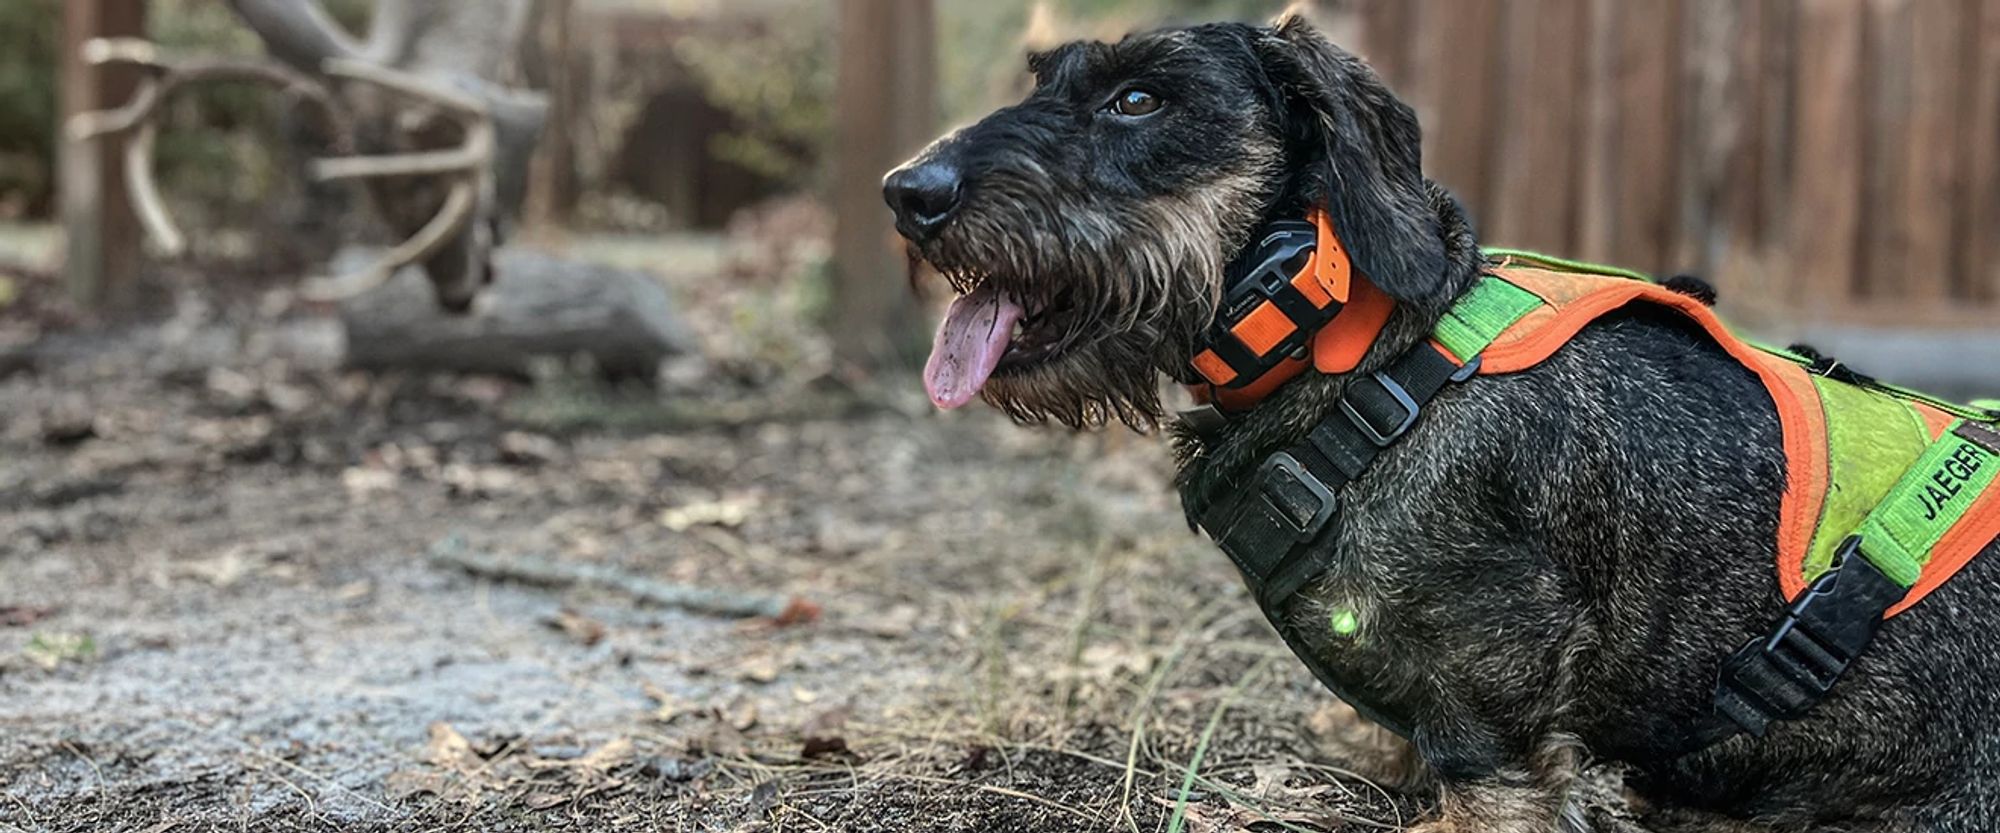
1715, 126
1770, 283
1459, 95
1778, 131
1885, 240
1741, 200
1979, 221
1598, 185
1825, 224
1388, 37
1538, 170
1931, 155
1649, 114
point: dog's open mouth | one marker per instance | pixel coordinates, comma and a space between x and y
988, 331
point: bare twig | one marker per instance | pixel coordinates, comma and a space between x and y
545, 573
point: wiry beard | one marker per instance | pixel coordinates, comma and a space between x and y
1142, 280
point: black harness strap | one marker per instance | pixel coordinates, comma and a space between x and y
1268, 528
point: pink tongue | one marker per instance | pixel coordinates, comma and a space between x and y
969, 345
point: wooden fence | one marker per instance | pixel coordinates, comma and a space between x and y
1831, 160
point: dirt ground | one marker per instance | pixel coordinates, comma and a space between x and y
227, 601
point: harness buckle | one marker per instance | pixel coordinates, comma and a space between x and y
1204, 419
1785, 674
1469, 369
1304, 503
1382, 435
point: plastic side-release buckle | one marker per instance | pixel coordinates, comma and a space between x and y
1785, 674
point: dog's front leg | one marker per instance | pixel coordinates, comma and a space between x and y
1495, 807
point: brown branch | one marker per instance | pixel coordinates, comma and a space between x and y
546, 573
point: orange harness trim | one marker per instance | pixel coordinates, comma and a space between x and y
1575, 300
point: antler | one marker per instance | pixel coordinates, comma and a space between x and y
469, 164
140, 115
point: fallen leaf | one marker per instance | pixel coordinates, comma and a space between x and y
21, 616
613, 754
823, 747
742, 716
895, 623
524, 449
760, 669
730, 512
362, 482
447, 749
670, 706
827, 722
224, 570
798, 611
581, 629
480, 481
1273, 783
403, 785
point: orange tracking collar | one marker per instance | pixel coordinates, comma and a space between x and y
1282, 293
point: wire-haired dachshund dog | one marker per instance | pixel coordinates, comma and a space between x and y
1552, 566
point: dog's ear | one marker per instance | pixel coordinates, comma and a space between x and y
1364, 147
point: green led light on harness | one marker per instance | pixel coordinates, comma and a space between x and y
1345, 622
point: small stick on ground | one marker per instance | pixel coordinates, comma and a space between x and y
542, 572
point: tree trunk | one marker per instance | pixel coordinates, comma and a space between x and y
103, 233
885, 102
552, 179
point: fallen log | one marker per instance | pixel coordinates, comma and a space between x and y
538, 307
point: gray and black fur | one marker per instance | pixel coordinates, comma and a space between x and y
1552, 565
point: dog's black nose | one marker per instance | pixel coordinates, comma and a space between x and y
923, 197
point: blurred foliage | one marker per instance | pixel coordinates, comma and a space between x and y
981, 57
219, 128
777, 78
28, 46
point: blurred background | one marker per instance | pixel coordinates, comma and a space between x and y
1831, 163
662, 528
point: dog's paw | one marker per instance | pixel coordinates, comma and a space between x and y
1373, 752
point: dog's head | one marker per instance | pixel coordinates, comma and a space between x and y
1087, 228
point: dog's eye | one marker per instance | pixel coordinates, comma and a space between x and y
1135, 102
